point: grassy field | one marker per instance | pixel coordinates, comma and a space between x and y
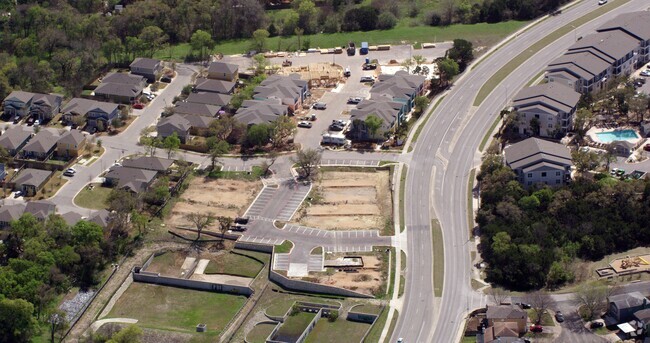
94, 199
259, 333
438, 258
518, 60
284, 248
176, 309
234, 264
339, 331
391, 279
370, 309
294, 325
481, 34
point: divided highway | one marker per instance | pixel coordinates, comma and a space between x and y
437, 180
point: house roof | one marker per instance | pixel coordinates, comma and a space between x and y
611, 44
208, 98
286, 88
81, 106
636, 24
628, 300
123, 78
401, 85
222, 67
534, 150
387, 111
20, 96
41, 209
583, 64
148, 163
176, 122
72, 137
51, 100
643, 315
119, 89
131, 178
14, 137
71, 218
553, 95
32, 177
198, 121
42, 142
196, 108
100, 218
144, 63
500, 330
259, 111
11, 212
505, 312
215, 86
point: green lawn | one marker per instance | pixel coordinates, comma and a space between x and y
259, 333
293, 326
481, 34
176, 309
339, 331
402, 190
391, 327
547, 319
518, 60
234, 264
377, 328
367, 308
402, 285
438, 258
284, 248
94, 199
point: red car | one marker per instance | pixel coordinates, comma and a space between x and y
138, 105
646, 147
536, 328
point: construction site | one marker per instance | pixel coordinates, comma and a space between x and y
319, 75
625, 266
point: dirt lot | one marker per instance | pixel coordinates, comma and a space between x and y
365, 281
222, 197
353, 200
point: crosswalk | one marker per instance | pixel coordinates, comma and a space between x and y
281, 262
261, 240
236, 168
315, 263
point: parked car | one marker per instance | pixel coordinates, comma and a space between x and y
313, 117
319, 106
336, 127
559, 316
30, 121
304, 124
646, 147
166, 79
238, 228
369, 66
613, 171
16, 119
367, 79
347, 72
645, 72
241, 220
536, 328
68, 173
37, 122
354, 100
602, 2
596, 325
524, 305
620, 172
18, 194
138, 105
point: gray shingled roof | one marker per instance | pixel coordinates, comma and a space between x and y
259, 111
401, 85
72, 137
533, 151
176, 121
207, 98
628, 300
611, 44
221, 67
145, 63
148, 163
505, 312
387, 111
11, 212
71, 218
119, 89
131, 178
637, 24
20, 95
643, 315
123, 78
198, 109
552, 95
286, 88
215, 86
41, 209
32, 177
14, 137
82, 106
197, 121
100, 218
51, 100
584, 64
42, 142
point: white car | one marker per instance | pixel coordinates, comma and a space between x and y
602, 2
37, 122
645, 72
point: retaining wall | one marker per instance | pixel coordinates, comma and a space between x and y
155, 278
361, 316
304, 286
254, 247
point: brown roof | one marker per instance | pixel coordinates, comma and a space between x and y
505, 312
260, 111
215, 86
131, 178
11, 212
21, 96
14, 137
42, 142
71, 218
41, 209
221, 67
198, 109
210, 98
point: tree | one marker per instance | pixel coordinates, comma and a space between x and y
200, 221
584, 160
592, 299
386, 21
58, 324
260, 63
581, 119
222, 127
421, 103
16, 321
307, 160
224, 224
462, 52
130, 334
419, 59
257, 135
535, 126
540, 302
216, 150
139, 220
447, 68
154, 38
639, 106
281, 129
171, 144
609, 156
259, 40
408, 63
151, 144
123, 203
497, 294
272, 156
299, 32
201, 41
373, 123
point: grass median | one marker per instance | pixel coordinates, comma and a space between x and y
518, 60
438, 258
402, 190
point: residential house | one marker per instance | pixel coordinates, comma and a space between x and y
121, 87
198, 124
157, 164
387, 111
636, 25
502, 314
41, 209
14, 139
400, 87
41, 146
132, 179
223, 71
29, 181
215, 99
93, 111
197, 109
214, 86
642, 318
621, 307
71, 218
18, 103
9, 213
289, 90
258, 112
551, 104
70, 144
501, 332
175, 123
45, 106
538, 161
146, 67
101, 218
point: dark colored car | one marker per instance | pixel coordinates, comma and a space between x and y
336, 127
369, 66
559, 316
320, 106
238, 228
596, 325
524, 305
241, 220
536, 328
166, 79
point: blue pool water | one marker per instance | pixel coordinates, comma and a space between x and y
619, 135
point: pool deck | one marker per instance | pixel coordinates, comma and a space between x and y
592, 133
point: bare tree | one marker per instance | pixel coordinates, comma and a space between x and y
307, 161
200, 221
592, 299
539, 301
266, 165
497, 294
224, 224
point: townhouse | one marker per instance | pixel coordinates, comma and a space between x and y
260, 112
95, 112
537, 161
121, 87
552, 105
289, 90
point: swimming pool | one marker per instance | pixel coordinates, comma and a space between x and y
617, 135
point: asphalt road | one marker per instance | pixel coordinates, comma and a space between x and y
437, 179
